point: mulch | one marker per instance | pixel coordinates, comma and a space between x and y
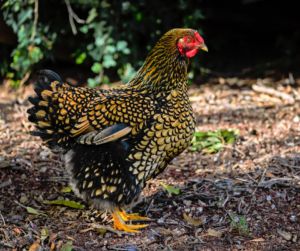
245, 197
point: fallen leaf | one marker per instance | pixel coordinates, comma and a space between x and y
31, 210
35, 247
52, 237
191, 220
163, 231
68, 203
259, 239
67, 247
66, 190
17, 230
270, 174
32, 217
171, 189
34, 212
102, 231
212, 232
44, 233
52, 246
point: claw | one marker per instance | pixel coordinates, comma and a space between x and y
134, 216
119, 223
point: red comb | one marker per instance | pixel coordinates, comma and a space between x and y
199, 38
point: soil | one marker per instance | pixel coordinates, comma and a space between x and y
244, 197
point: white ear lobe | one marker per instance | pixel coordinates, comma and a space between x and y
181, 41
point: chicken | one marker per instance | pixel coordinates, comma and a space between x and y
115, 140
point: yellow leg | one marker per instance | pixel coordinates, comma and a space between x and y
121, 225
134, 216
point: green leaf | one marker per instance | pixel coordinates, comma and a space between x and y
213, 139
67, 203
121, 45
139, 16
67, 247
31, 210
231, 140
92, 14
24, 14
108, 61
126, 51
193, 148
81, 58
210, 150
66, 190
171, 189
91, 82
97, 67
5, 5
110, 49
10, 75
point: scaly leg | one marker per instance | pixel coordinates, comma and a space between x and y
121, 225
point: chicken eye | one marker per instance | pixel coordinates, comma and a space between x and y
189, 40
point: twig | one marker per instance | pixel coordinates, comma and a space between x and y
149, 207
119, 247
2, 218
7, 244
233, 148
56, 180
274, 181
259, 184
6, 183
251, 178
36, 16
263, 176
271, 91
17, 202
72, 16
223, 205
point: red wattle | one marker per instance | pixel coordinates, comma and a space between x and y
191, 53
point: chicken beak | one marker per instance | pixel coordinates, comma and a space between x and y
202, 47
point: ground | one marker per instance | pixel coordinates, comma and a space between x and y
245, 197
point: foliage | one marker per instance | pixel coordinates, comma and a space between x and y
240, 225
33, 39
213, 141
110, 36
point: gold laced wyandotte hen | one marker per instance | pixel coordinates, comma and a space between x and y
115, 140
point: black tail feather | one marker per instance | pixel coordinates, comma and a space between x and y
43, 112
52, 76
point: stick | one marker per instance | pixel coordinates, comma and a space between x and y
271, 91
17, 202
149, 207
236, 149
119, 233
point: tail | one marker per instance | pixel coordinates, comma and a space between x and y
48, 114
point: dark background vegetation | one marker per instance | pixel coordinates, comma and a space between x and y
246, 38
